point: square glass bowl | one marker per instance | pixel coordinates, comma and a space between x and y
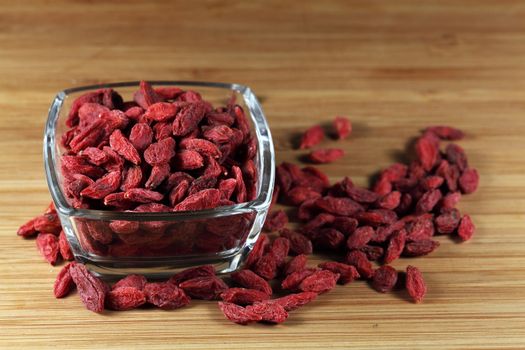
113, 243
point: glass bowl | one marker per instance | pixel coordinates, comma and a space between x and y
113, 243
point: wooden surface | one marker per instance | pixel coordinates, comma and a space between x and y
392, 66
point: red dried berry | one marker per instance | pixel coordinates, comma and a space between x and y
132, 281
266, 267
205, 199
192, 272
428, 201
64, 248
275, 221
421, 247
48, 222
63, 283
257, 250
161, 111
187, 119
249, 279
292, 302
28, 229
466, 228
166, 295
47, 244
141, 136
328, 155
384, 279
319, 282
292, 281
206, 287
299, 244
469, 180
347, 273
312, 137
92, 290
448, 221
107, 184
238, 314
120, 144
361, 195
415, 284
160, 152
360, 237
298, 195
125, 298
361, 263
243, 296
456, 155
338, 206
298, 263
269, 311
427, 152
343, 127
390, 200
141, 195
446, 132
396, 245
94, 155
188, 160
450, 200
158, 174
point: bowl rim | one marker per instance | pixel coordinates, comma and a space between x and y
265, 152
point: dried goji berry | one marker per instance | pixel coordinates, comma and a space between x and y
421, 247
275, 221
342, 127
427, 152
188, 160
415, 284
347, 273
428, 201
125, 298
63, 283
327, 155
390, 200
447, 221
47, 244
141, 136
238, 314
360, 237
107, 184
193, 272
141, 195
205, 287
269, 311
92, 290
456, 155
161, 151
64, 248
446, 132
384, 279
312, 137
28, 229
299, 244
466, 228
266, 267
319, 282
124, 147
166, 295
133, 281
339, 206
293, 280
361, 263
205, 199
396, 245
243, 296
468, 181
298, 263
249, 279
292, 302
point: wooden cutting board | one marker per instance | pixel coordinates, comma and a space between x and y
394, 67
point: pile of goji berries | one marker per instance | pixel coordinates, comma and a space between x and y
363, 229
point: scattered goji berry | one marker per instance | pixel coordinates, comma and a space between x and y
327, 155
466, 228
63, 283
384, 279
238, 314
166, 295
312, 137
92, 290
415, 284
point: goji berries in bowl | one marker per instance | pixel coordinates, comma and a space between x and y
154, 177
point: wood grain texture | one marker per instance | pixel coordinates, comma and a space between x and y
392, 66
